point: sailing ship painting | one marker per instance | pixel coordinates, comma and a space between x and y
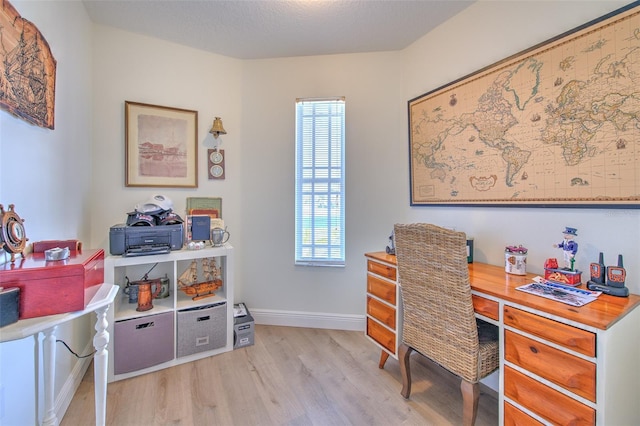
191, 283
27, 69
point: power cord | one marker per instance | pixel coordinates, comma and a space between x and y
76, 355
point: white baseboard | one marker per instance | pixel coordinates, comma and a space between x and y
309, 319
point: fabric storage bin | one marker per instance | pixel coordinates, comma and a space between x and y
243, 330
142, 342
202, 328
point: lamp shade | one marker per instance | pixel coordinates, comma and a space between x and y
217, 128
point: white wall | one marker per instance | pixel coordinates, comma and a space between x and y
369, 84
69, 183
130, 67
47, 174
480, 35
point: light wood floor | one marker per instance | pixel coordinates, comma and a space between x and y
291, 376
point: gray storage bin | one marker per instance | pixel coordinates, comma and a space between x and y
243, 330
142, 342
202, 329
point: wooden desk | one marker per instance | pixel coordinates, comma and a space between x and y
48, 326
558, 363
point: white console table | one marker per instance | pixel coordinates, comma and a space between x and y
48, 326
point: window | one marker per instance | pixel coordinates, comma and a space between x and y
320, 182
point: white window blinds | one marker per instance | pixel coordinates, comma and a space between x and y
320, 182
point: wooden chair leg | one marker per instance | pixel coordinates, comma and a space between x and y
470, 396
404, 353
383, 359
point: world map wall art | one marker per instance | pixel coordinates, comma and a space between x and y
27, 69
555, 125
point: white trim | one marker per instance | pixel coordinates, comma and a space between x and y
309, 319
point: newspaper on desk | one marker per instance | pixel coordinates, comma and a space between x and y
560, 293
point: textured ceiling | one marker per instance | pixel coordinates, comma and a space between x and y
256, 29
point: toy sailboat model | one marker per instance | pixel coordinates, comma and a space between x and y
189, 284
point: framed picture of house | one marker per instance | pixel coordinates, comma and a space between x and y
160, 146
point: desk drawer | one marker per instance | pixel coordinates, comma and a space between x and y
570, 337
381, 289
382, 270
381, 335
383, 313
515, 417
546, 402
486, 307
572, 373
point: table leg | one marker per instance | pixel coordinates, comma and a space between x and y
100, 364
49, 356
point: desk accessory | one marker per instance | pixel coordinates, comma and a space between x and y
131, 291
615, 278
391, 248
12, 236
243, 327
559, 275
560, 293
145, 294
215, 165
219, 236
569, 247
598, 271
9, 303
48, 288
200, 228
200, 287
515, 260
56, 253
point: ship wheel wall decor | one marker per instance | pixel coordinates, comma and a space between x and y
13, 238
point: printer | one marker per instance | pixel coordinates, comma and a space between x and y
145, 240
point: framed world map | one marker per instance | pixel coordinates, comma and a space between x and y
555, 125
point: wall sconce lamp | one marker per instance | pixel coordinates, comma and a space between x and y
217, 129
216, 156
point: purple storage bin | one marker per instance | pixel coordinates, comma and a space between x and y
142, 342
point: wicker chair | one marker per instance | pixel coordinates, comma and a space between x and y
439, 320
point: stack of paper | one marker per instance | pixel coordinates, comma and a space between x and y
560, 293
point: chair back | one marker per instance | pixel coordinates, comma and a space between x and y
439, 320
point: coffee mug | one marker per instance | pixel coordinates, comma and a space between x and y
219, 236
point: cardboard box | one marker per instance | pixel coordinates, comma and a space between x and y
54, 287
243, 330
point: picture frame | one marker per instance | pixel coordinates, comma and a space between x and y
547, 127
28, 69
160, 146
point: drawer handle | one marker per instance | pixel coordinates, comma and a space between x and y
533, 349
145, 325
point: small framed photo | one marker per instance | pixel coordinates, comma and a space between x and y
161, 146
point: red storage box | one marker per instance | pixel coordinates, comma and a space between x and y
54, 287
